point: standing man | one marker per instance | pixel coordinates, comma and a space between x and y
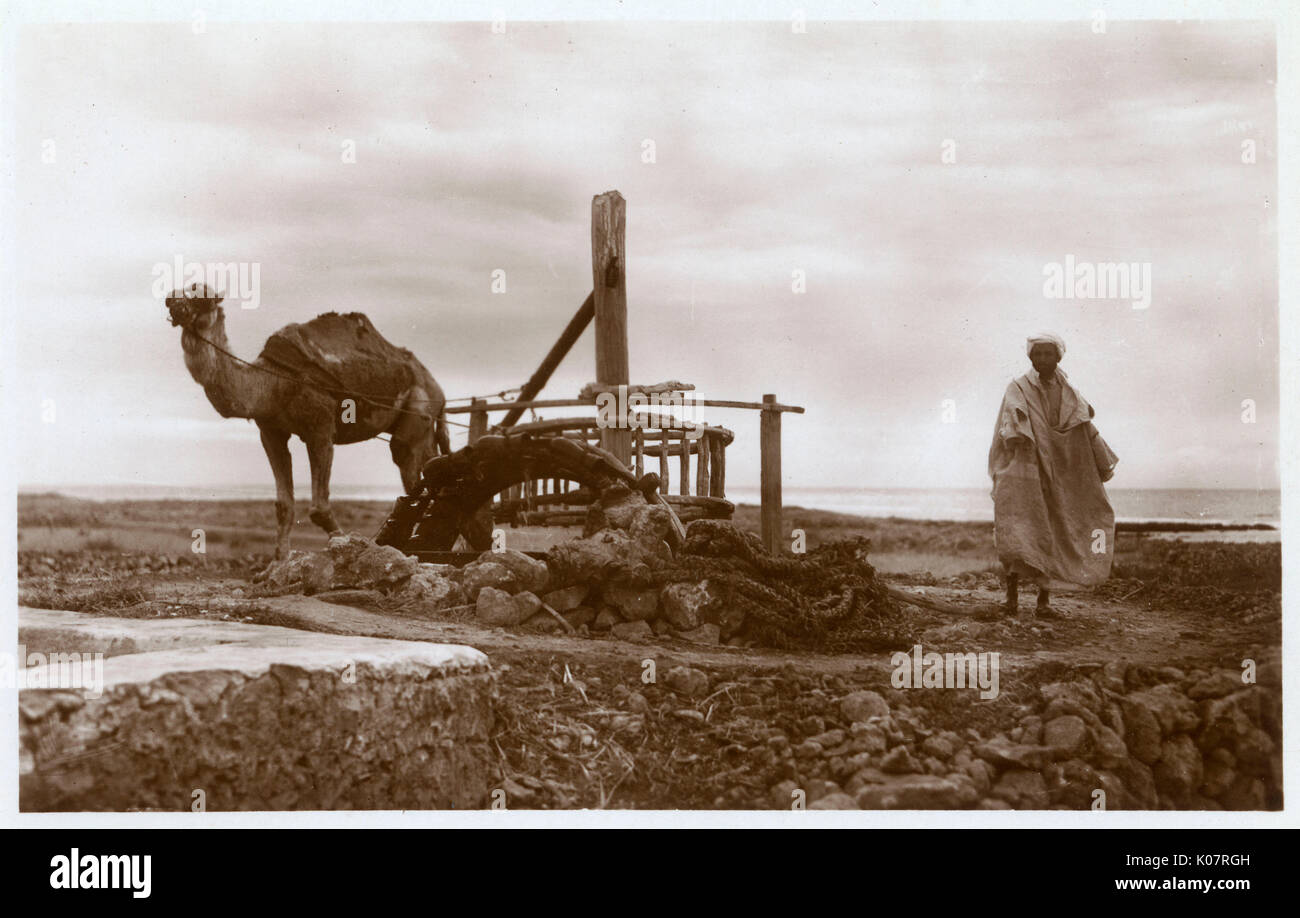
1053, 524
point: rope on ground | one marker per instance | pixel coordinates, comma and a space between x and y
827, 599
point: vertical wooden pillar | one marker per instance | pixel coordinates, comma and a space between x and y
769, 440
702, 467
478, 425
717, 468
663, 462
478, 420
609, 287
684, 485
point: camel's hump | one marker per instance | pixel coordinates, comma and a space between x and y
342, 334
342, 350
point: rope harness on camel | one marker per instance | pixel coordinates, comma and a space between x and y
332, 391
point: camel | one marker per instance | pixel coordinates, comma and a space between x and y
333, 380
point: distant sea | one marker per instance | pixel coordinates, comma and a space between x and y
1131, 504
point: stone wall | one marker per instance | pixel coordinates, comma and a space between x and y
315, 722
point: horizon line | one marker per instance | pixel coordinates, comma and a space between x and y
54, 488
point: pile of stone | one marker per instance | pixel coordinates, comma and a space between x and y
354, 569
597, 583
1120, 737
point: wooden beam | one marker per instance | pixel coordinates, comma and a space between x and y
521, 405
769, 437
572, 332
609, 287
673, 448
724, 403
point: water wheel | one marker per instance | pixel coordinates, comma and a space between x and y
456, 490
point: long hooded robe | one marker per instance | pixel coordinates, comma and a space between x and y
1053, 523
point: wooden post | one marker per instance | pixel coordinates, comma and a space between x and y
702, 467
769, 442
640, 451
609, 287
663, 462
684, 486
717, 473
478, 425
478, 420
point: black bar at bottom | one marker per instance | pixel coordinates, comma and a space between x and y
905, 871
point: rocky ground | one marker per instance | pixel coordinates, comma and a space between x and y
1148, 693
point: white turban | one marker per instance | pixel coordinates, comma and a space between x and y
1046, 338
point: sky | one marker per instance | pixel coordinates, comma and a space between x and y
918, 178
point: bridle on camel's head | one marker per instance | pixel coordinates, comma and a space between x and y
188, 303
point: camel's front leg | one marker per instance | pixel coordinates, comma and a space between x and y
320, 453
276, 444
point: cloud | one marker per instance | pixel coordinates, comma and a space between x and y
774, 153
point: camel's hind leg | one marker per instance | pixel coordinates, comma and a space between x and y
320, 454
276, 444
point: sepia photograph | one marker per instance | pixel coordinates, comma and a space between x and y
689, 411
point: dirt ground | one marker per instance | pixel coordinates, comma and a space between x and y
583, 724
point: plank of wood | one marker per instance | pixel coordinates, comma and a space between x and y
753, 406
609, 286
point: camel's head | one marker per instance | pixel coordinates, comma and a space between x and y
196, 307
410, 457
415, 444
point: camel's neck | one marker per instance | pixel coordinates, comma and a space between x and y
235, 389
